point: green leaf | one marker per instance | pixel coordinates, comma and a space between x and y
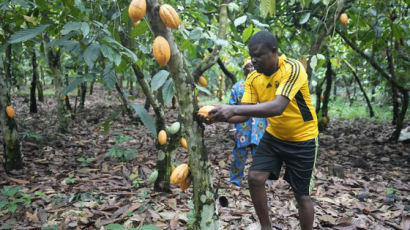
240, 20
109, 77
107, 52
73, 85
203, 89
195, 34
304, 18
24, 35
153, 177
146, 118
91, 54
159, 79
150, 227
267, 6
247, 33
114, 227
85, 28
313, 62
70, 26
168, 91
139, 29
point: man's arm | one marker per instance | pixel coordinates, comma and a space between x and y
266, 109
238, 113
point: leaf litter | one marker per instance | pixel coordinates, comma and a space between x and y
374, 193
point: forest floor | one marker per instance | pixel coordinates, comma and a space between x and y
62, 191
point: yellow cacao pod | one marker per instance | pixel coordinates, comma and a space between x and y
137, 10
179, 174
183, 143
325, 120
344, 19
184, 185
202, 81
204, 111
162, 137
162, 51
10, 112
169, 16
63, 98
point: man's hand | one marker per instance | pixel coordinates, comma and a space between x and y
204, 119
221, 113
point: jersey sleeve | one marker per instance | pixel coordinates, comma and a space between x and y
294, 78
250, 95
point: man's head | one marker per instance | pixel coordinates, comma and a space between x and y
263, 49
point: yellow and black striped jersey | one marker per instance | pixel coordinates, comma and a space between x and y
298, 121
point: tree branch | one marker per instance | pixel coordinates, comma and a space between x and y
371, 61
147, 91
212, 59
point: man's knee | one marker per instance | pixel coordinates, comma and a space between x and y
257, 178
303, 200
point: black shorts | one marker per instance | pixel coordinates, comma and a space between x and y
299, 158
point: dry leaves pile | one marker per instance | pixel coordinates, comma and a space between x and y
374, 193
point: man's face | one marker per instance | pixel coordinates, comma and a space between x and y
264, 60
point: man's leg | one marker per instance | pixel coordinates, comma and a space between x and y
256, 180
306, 211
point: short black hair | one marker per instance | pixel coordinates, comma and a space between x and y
263, 37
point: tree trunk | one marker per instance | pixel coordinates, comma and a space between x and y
67, 98
400, 118
395, 100
40, 84
347, 90
83, 90
326, 95
40, 93
11, 155
33, 102
203, 193
54, 64
92, 86
319, 95
125, 105
373, 98
369, 105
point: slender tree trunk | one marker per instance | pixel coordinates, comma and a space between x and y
369, 105
326, 94
373, 98
54, 64
11, 154
40, 83
83, 91
319, 95
400, 118
67, 98
40, 93
347, 90
92, 86
395, 100
192, 129
33, 102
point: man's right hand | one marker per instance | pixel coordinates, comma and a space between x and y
204, 119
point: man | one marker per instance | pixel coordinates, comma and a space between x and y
247, 134
280, 86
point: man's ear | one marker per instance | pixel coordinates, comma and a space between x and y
274, 50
